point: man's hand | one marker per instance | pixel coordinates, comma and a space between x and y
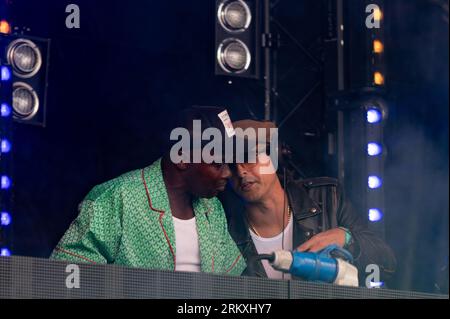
320, 241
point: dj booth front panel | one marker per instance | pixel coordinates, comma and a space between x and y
27, 277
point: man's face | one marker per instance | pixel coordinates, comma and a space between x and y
248, 181
207, 180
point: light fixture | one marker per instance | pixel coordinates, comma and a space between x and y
378, 78
5, 27
5, 74
28, 59
378, 46
5, 182
5, 110
377, 284
375, 214
374, 116
25, 101
4, 252
234, 16
5, 146
238, 38
5, 219
374, 149
374, 182
25, 57
377, 14
233, 56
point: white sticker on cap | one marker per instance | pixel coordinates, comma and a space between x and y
225, 118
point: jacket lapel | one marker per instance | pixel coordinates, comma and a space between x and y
207, 236
303, 207
159, 204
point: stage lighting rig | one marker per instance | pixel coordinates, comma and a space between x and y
237, 38
29, 60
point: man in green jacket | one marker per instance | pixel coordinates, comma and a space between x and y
165, 216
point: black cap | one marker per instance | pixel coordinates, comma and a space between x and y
209, 116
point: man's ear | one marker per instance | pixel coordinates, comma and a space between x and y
183, 164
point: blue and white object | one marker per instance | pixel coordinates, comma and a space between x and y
375, 214
5, 110
5, 219
374, 182
5, 182
378, 284
321, 266
5, 146
374, 149
5, 74
374, 116
4, 252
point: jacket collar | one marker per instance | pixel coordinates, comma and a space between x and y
156, 188
158, 192
302, 205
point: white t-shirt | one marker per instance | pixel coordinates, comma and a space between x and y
187, 245
269, 245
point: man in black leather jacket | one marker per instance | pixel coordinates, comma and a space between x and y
321, 216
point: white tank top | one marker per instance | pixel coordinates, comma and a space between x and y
269, 245
187, 245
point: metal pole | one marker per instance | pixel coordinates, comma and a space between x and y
341, 86
267, 63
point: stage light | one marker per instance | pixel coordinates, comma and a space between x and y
233, 56
377, 14
4, 252
5, 146
376, 284
5, 219
374, 182
5, 110
5, 74
378, 46
25, 57
378, 78
238, 38
234, 16
5, 182
374, 149
5, 27
374, 116
25, 101
28, 57
375, 214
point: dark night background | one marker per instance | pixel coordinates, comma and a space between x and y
115, 82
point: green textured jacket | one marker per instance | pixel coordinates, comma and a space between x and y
127, 221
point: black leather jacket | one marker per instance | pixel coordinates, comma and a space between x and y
318, 204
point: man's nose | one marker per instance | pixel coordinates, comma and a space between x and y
241, 171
